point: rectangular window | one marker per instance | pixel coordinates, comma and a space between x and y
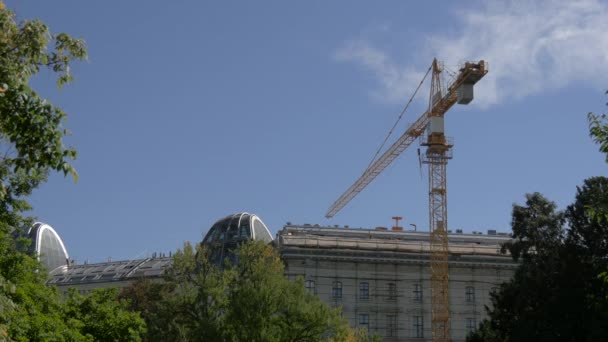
469, 294
417, 327
336, 290
364, 290
471, 325
364, 321
310, 286
391, 325
392, 291
417, 292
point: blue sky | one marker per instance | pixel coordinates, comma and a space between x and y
189, 111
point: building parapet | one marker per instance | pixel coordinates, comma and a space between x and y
395, 241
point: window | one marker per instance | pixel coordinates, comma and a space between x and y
471, 325
261, 233
418, 292
364, 321
469, 294
391, 325
310, 286
364, 290
417, 327
392, 291
336, 291
245, 229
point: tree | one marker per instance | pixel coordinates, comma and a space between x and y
249, 301
266, 306
145, 297
100, 317
551, 296
537, 228
560, 290
31, 146
31, 131
598, 130
31, 135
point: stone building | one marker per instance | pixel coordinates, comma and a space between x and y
381, 278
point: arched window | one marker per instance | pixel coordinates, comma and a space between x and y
336, 290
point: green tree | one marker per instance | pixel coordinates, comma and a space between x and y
31, 139
551, 295
146, 297
31, 146
101, 317
31, 128
265, 306
560, 290
598, 130
249, 301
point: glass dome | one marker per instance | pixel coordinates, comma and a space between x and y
47, 246
227, 233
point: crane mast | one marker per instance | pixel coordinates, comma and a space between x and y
438, 152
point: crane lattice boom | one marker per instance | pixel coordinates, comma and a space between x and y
469, 74
438, 152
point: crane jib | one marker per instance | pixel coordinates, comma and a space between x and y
469, 74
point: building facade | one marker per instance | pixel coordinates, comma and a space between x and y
381, 279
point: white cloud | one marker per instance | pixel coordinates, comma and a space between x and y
530, 46
395, 80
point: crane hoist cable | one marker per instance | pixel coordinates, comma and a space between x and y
399, 118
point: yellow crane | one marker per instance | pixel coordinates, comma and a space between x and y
438, 152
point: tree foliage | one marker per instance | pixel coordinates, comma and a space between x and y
31, 128
31, 143
598, 130
560, 290
553, 293
249, 301
31, 146
101, 317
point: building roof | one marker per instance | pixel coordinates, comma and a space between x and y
308, 236
47, 245
111, 271
237, 227
223, 236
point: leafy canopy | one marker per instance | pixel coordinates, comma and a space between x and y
560, 290
249, 301
31, 146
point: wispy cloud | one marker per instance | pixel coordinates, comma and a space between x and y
395, 80
530, 45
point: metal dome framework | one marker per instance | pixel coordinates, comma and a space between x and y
48, 246
227, 233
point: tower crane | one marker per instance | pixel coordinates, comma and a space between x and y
438, 152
